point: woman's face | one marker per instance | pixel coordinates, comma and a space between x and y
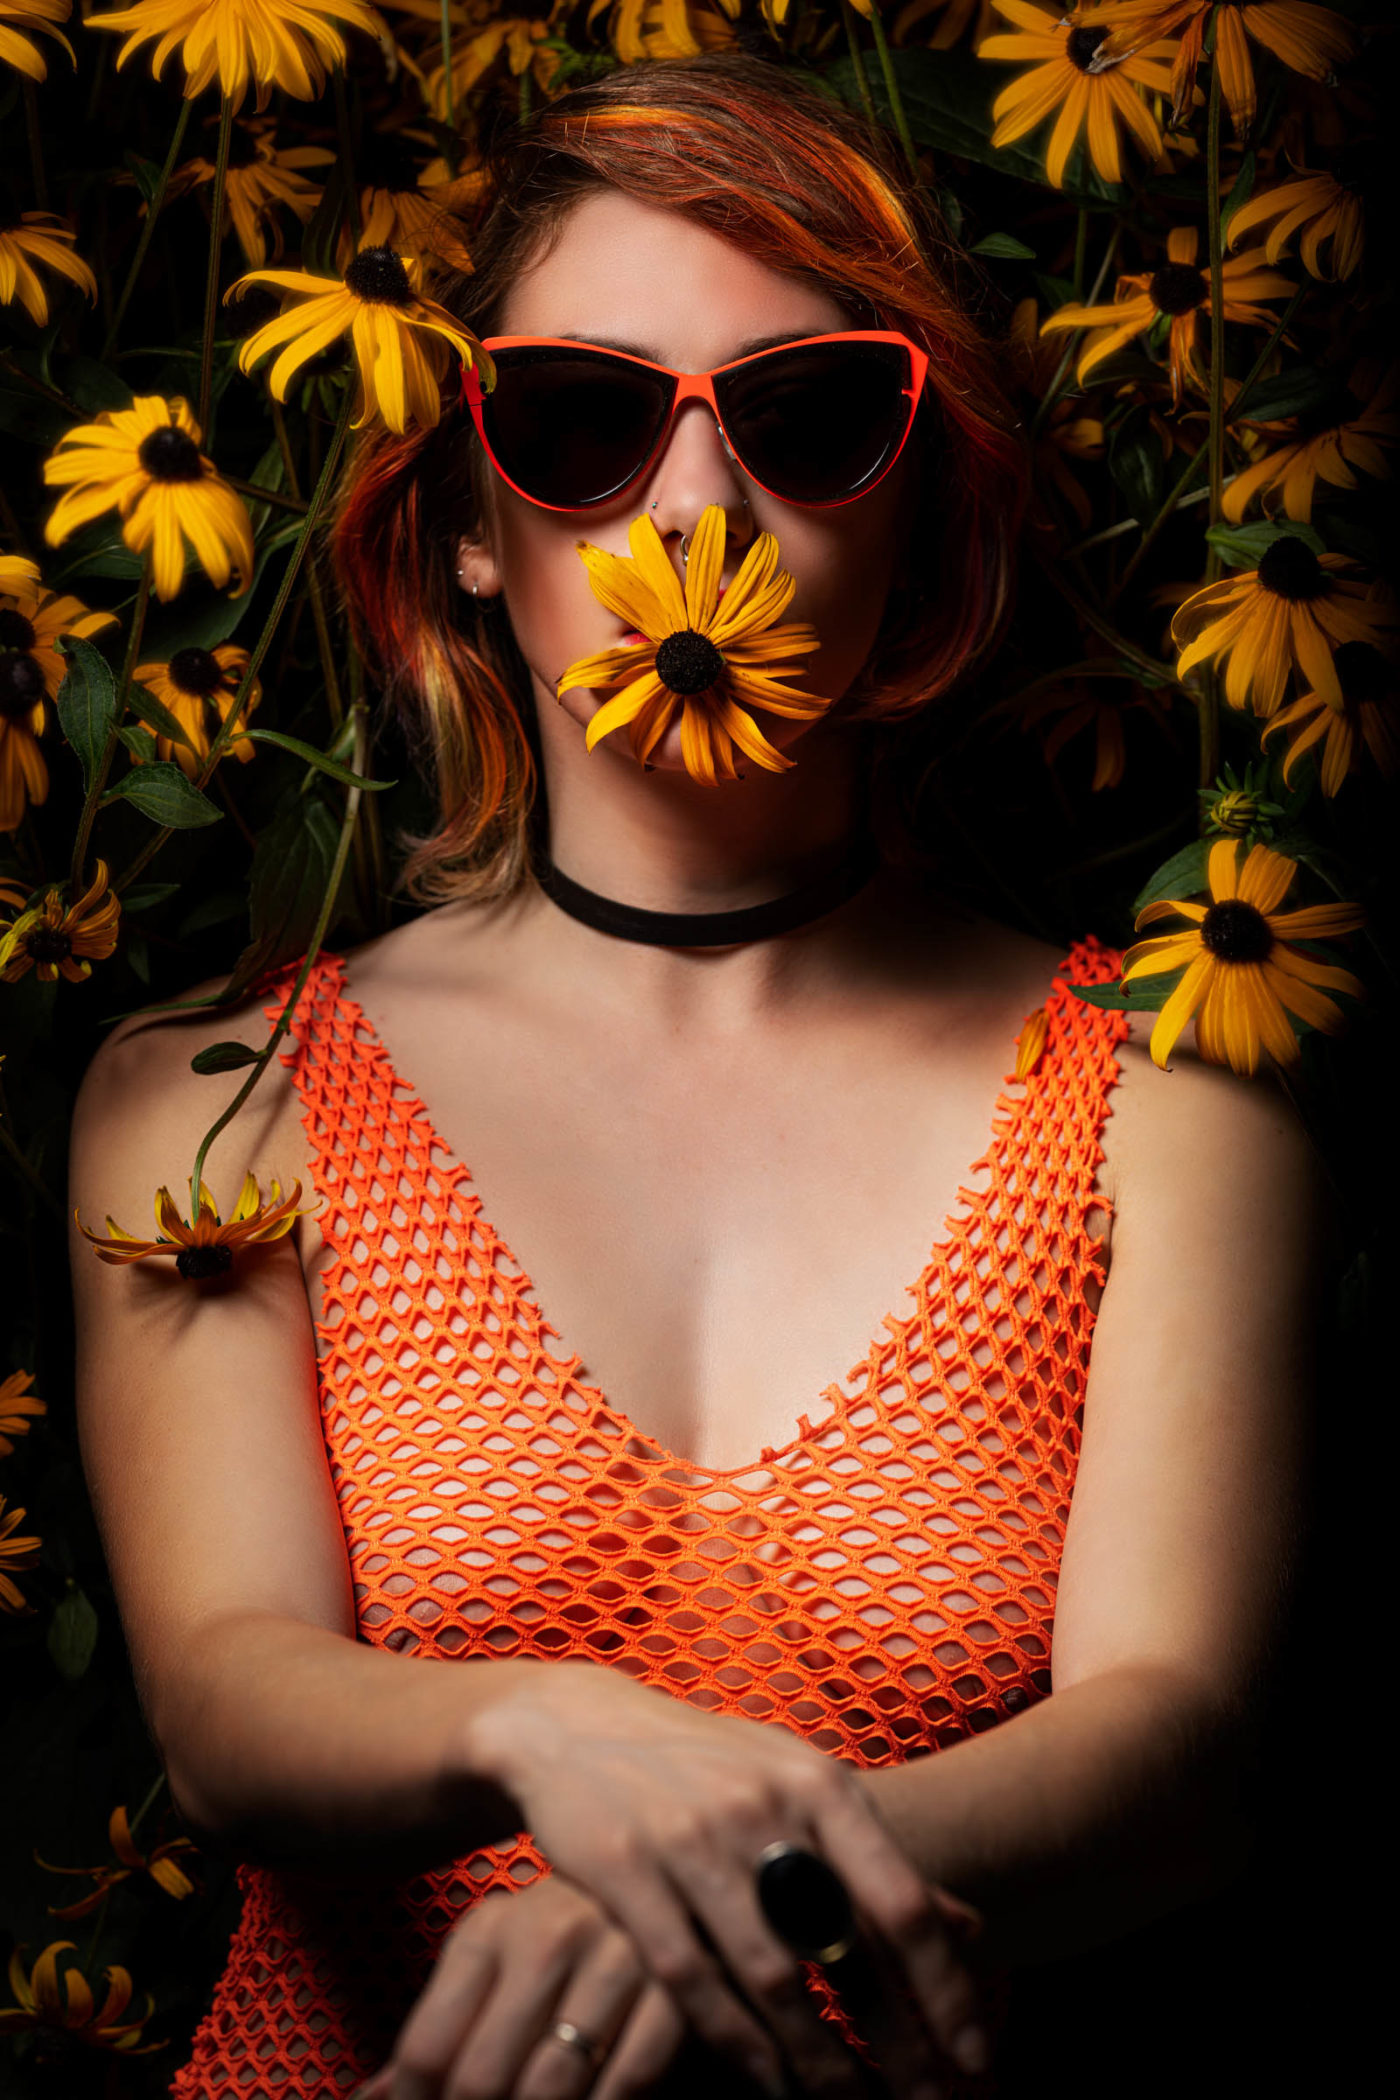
653, 283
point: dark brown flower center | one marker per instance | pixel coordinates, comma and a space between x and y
170, 455
1178, 288
687, 662
1235, 932
48, 944
21, 683
195, 1263
1290, 569
15, 631
1363, 673
379, 278
1082, 45
196, 671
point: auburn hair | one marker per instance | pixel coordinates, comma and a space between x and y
737, 145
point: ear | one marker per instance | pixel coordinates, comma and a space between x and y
477, 573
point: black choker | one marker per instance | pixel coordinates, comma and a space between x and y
715, 929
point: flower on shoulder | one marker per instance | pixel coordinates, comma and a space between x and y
1327, 447
1369, 715
235, 44
16, 1554
38, 238
18, 1408
1289, 614
1030, 1043
192, 684
64, 2002
206, 1247
55, 939
261, 176
1241, 975
1318, 208
160, 1864
1177, 292
1070, 75
31, 669
1308, 39
399, 337
22, 19
704, 649
144, 462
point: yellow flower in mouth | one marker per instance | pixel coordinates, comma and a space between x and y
1289, 613
1307, 38
287, 44
396, 333
1179, 292
31, 622
1320, 207
1240, 975
67, 2004
57, 940
192, 683
1344, 440
145, 463
207, 1247
39, 237
20, 20
1070, 77
1368, 714
701, 653
159, 1863
18, 1408
18, 1554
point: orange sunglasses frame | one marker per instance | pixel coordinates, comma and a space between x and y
696, 386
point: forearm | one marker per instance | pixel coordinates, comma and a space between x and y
1084, 1816
301, 1749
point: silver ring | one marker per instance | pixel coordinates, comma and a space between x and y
574, 2038
685, 546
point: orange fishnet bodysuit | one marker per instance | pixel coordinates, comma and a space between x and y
884, 1583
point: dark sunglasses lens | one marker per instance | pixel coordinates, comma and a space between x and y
572, 428
818, 422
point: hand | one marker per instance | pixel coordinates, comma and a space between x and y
507, 1971
660, 1811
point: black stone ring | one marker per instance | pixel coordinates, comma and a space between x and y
806, 1903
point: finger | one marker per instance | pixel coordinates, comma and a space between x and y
646, 2048
432, 2034
596, 2001
871, 1988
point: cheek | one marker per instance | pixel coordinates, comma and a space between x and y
845, 566
552, 610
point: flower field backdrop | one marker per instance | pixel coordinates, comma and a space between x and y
219, 221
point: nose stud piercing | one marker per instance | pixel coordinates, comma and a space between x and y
685, 546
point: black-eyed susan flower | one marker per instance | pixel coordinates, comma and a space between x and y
208, 1246
160, 1864
1235, 808
55, 939
18, 1408
1096, 704
20, 20
521, 40
1240, 974
408, 222
238, 44
1179, 293
35, 241
702, 650
262, 178
63, 2001
400, 339
144, 462
1289, 614
1068, 76
1369, 718
1328, 446
16, 1554
193, 686
1319, 211
642, 29
1309, 39
31, 668
1030, 1043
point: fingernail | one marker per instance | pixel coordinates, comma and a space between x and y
971, 2051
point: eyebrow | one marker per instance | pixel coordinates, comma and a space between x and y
750, 348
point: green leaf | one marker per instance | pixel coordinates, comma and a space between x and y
146, 173
145, 896
212, 911
291, 868
87, 702
138, 741
1244, 546
1135, 461
72, 1633
93, 386
1240, 191
1293, 393
1145, 995
158, 715
161, 792
1184, 875
224, 1057
1003, 247
313, 757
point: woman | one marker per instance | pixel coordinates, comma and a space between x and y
703, 1621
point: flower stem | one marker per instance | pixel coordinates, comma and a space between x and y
901, 122
211, 281
153, 210
103, 767
867, 102
318, 604
1208, 704
156, 1784
1056, 386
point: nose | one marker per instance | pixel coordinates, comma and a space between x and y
695, 469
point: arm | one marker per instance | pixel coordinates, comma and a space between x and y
1118, 1797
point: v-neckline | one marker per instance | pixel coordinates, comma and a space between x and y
1006, 1108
